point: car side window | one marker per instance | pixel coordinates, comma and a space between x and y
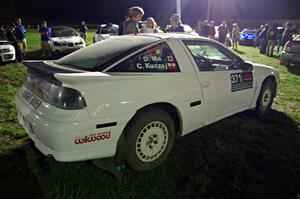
210, 57
156, 58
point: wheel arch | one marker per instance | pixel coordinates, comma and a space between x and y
273, 80
169, 108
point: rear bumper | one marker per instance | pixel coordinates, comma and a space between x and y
291, 57
67, 141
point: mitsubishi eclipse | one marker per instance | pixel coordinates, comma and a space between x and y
145, 89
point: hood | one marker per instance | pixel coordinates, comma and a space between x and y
262, 66
5, 45
67, 39
4, 42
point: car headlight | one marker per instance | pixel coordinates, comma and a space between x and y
5, 50
56, 43
81, 42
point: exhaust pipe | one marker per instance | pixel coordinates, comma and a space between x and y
47, 163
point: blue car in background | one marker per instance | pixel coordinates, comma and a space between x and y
247, 37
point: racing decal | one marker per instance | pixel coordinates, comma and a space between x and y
241, 81
145, 58
170, 58
93, 138
172, 66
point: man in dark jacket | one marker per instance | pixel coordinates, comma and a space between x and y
10, 35
205, 29
130, 25
83, 30
223, 31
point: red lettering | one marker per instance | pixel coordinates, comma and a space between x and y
93, 138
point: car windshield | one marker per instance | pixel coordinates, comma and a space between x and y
98, 55
249, 32
63, 32
109, 29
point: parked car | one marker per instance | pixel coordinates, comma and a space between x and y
291, 52
187, 29
7, 51
248, 36
65, 40
135, 94
104, 31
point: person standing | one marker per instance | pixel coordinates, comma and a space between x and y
212, 30
287, 33
223, 31
235, 36
151, 26
256, 40
45, 37
10, 35
176, 25
20, 32
130, 25
263, 39
205, 29
271, 37
83, 31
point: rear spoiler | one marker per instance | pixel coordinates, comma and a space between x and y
43, 70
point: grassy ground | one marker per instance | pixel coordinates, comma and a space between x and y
238, 157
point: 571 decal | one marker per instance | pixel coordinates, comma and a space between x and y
241, 81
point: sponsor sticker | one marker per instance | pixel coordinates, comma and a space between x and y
93, 138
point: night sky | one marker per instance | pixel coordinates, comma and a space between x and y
98, 11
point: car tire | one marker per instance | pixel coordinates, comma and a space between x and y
149, 139
265, 98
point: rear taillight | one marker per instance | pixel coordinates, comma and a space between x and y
65, 98
54, 94
288, 46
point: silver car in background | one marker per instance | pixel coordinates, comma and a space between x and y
291, 52
105, 31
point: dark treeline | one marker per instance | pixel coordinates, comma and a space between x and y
99, 11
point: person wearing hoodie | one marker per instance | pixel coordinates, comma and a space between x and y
272, 38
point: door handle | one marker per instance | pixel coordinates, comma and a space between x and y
205, 84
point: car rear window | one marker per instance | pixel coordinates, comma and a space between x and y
156, 58
100, 55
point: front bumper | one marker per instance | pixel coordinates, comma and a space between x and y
66, 141
9, 56
249, 42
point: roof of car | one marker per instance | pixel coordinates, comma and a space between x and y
61, 27
170, 35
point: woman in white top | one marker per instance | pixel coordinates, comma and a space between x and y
151, 26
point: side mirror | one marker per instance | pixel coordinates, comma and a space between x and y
245, 66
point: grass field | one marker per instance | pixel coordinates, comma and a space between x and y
238, 157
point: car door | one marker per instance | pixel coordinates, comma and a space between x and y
226, 88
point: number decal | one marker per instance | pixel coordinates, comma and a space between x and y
241, 81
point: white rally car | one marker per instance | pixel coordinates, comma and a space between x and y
7, 51
65, 40
146, 90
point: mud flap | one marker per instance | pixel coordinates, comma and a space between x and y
114, 165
